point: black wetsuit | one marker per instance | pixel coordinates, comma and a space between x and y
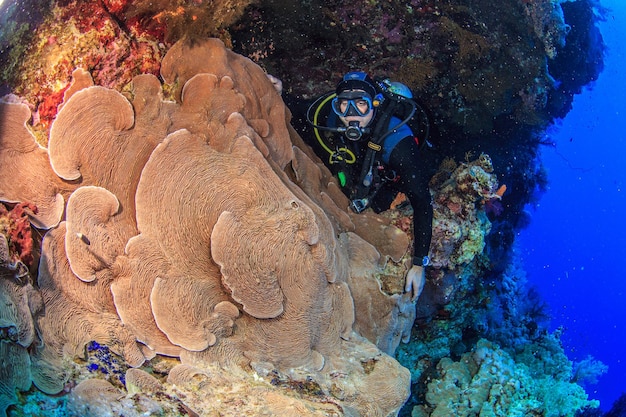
404, 158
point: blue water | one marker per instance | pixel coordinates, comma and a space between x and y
575, 248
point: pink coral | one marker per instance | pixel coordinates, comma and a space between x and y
15, 224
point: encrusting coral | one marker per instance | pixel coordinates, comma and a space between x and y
190, 232
488, 382
460, 223
19, 153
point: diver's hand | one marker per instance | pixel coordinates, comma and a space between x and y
414, 282
278, 84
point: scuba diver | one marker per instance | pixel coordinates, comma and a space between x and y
372, 136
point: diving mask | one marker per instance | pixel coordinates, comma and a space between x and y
352, 103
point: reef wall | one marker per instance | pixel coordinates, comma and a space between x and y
170, 243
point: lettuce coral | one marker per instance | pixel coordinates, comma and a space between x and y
184, 236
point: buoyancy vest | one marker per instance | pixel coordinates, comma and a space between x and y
395, 120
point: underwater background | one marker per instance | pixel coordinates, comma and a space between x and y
575, 245
547, 212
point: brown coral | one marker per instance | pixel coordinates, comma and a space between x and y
186, 236
14, 373
76, 313
30, 177
384, 320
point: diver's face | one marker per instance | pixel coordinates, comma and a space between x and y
354, 105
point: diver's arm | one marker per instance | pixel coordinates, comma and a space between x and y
405, 160
414, 178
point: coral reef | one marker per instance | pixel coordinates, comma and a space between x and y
80, 34
460, 223
262, 297
482, 71
475, 64
166, 198
172, 20
20, 302
503, 310
112, 40
548, 23
489, 382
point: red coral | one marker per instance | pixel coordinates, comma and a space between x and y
47, 109
116, 6
92, 15
19, 233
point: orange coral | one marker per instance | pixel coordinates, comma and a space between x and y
400, 198
501, 190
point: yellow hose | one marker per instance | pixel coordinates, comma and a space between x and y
344, 150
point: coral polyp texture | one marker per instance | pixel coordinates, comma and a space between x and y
190, 231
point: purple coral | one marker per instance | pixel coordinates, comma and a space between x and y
393, 35
493, 206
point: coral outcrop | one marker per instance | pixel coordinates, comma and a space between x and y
491, 76
20, 302
488, 382
190, 232
460, 223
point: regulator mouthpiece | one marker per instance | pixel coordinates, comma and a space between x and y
353, 131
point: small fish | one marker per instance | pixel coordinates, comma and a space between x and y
83, 238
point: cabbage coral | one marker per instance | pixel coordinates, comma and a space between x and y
197, 229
